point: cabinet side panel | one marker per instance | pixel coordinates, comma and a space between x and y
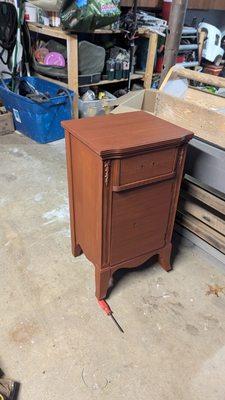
70, 189
176, 191
87, 199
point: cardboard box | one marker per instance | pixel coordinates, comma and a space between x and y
198, 111
6, 122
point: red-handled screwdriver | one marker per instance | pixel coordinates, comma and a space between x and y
105, 307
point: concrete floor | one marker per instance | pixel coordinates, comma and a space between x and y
57, 342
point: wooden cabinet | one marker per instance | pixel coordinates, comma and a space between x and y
124, 174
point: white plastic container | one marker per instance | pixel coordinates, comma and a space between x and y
96, 107
31, 14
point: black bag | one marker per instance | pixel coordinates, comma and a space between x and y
8, 31
88, 15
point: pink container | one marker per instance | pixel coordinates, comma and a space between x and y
54, 58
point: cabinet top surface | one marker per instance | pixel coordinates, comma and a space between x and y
116, 134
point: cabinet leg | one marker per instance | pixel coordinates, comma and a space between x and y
102, 279
164, 257
77, 250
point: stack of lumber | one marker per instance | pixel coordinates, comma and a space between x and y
202, 213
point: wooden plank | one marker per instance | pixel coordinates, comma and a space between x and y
201, 77
47, 30
72, 66
198, 211
206, 124
108, 82
204, 99
149, 100
152, 47
201, 39
202, 230
197, 241
202, 195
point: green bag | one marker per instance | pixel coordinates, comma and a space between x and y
88, 15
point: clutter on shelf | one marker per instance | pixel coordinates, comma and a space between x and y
95, 103
153, 24
91, 61
118, 64
50, 58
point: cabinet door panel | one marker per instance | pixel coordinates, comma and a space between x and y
139, 220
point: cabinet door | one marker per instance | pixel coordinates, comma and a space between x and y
139, 220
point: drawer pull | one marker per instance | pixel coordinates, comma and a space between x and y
144, 182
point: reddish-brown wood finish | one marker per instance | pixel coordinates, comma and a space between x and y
124, 175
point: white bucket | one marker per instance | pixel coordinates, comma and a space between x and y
31, 14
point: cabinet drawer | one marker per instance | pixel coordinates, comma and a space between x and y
146, 166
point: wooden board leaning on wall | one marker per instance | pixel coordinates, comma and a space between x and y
202, 213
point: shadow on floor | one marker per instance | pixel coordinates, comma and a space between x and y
122, 274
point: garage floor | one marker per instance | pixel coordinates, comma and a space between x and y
53, 337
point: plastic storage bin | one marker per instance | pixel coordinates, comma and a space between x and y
96, 107
40, 121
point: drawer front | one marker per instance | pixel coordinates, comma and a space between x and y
145, 166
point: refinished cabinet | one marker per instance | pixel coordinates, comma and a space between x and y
124, 175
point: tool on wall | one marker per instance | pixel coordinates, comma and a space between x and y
105, 307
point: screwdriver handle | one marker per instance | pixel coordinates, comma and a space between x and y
105, 307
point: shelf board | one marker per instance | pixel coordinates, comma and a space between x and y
103, 82
107, 82
60, 33
47, 30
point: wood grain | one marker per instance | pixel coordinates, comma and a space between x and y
87, 175
200, 229
147, 165
199, 211
120, 134
205, 123
139, 221
191, 189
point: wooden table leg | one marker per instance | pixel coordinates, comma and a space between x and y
102, 278
164, 257
152, 47
72, 62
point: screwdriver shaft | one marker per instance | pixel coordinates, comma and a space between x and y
117, 323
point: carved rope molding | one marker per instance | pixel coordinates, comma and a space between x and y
106, 172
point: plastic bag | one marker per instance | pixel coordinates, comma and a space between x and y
87, 15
